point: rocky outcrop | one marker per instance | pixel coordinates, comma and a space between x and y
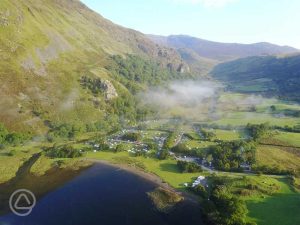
183, 68
4, 18
100, 86
110, 91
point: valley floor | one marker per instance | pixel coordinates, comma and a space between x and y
275, 201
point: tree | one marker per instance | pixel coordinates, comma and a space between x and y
163, 154
257, 131
64, 151
181, 148
132, 136
230, 155
3, 133
225, 209
121, 148
200, 190
273, 108
207, 135
188, 167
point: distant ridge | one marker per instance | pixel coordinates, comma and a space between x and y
221, 51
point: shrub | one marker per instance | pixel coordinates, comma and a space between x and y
201, 191
189, 167
132, 136
65, 151
181, 148
163, 154
121, 148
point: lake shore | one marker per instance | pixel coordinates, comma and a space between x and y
148, 176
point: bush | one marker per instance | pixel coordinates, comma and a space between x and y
189, 167
11, 153
121, 148
207, 135
132, 136
201, 191
65, 151
163, 154
181, 148
272, 170
11, 138
170, 141
65, 130
257, 131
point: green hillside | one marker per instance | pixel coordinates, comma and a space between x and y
48, 46
268, 75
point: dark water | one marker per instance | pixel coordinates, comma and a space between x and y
103, 195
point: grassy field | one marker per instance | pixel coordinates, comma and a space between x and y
11, 159
235, 109
44, 164
292, 139
279, 209
242, 118
227, 135
275, 157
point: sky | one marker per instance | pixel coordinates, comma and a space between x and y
234, 21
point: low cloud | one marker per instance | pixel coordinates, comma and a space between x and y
182, 98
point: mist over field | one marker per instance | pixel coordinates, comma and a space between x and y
198, 100
182, 98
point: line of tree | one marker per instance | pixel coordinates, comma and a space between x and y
110, 124
64, 151
140, 70
294, 129
257, 131
207, 135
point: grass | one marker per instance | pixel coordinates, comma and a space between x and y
199, 144
227, 135
9, 165
167, 170
275, 157
163, 199
279, 209
44, 164
242, 118
292, 139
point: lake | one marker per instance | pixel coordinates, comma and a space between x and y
104, 195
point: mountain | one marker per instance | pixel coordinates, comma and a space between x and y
267, 75
220, 51
58, 63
